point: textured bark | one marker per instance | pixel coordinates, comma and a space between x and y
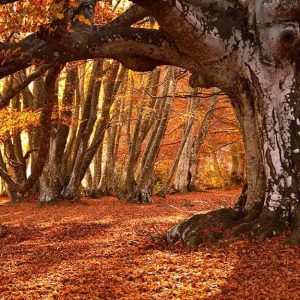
18, 184
86, 152
237, 167
141, 129
51, 181
107, 183
183, 176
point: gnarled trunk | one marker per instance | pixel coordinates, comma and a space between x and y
276, 102
270, 122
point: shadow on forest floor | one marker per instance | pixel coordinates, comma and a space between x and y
108, 249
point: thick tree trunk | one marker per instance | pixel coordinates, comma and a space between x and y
269, 203
51, 181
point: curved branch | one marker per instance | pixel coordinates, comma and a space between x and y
215, 6
124, 44
189, 30
192, 41
17, 56
132, 15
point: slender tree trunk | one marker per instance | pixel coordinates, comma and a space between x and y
183, 176
193, 106
143, 189
143, 124
89, 116
51, 181
85, 152
187, 175
107, 182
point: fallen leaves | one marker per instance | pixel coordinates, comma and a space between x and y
104, 250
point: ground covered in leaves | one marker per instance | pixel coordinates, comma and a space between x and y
106, 249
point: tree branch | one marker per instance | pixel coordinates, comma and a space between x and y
191, 30
193, 42
138, 48
214, 6
4, 101
132, 15
17, 56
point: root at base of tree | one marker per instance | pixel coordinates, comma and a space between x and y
228, 222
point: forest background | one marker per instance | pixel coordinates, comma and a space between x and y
113, 131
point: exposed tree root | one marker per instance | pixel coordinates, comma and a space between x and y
142, 197
201, 228
215, 225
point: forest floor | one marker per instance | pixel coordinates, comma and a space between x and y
107, 249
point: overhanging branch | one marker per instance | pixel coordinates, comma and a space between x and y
132, 46
132, 15
185, 25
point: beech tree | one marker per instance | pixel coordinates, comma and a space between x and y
248, 49
187, 171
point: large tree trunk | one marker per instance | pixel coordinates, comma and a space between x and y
51, 181
270, 122
277, 117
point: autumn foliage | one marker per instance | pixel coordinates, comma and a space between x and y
106, 249
98, 162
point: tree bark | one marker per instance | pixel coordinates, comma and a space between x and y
193, 106
51, 181
143, 188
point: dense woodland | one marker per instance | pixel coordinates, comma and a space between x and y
113, 131
121, 133
189, 106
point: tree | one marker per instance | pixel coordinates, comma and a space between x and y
248, 49
187, 172
192, 108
